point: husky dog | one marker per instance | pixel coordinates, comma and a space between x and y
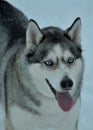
40, 73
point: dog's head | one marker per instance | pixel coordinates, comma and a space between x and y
54, 61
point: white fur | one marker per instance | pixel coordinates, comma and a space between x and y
51, 118
2, 117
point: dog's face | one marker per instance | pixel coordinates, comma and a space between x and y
55, 61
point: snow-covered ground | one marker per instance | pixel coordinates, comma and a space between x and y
62, 13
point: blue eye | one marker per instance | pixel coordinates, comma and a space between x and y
48, 63
70, 60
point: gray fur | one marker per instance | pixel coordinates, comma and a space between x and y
16, 86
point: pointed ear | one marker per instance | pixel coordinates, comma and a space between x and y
33, 34
74, 32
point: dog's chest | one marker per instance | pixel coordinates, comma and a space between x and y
51, 118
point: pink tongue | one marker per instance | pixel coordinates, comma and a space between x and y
64, 100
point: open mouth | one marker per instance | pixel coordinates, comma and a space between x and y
64, 99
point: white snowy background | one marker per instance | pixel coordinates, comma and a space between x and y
62, 13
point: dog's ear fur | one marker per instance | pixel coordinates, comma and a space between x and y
74, 32
33, 34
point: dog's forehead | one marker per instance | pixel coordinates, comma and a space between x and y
59, 52
55, 37
56, 51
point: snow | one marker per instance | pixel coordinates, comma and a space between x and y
62, 13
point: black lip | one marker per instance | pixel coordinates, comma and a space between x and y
51, 87
54, 90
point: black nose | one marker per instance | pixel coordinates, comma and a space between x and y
66, 83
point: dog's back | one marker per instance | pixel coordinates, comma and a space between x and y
13, 24
12, 19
